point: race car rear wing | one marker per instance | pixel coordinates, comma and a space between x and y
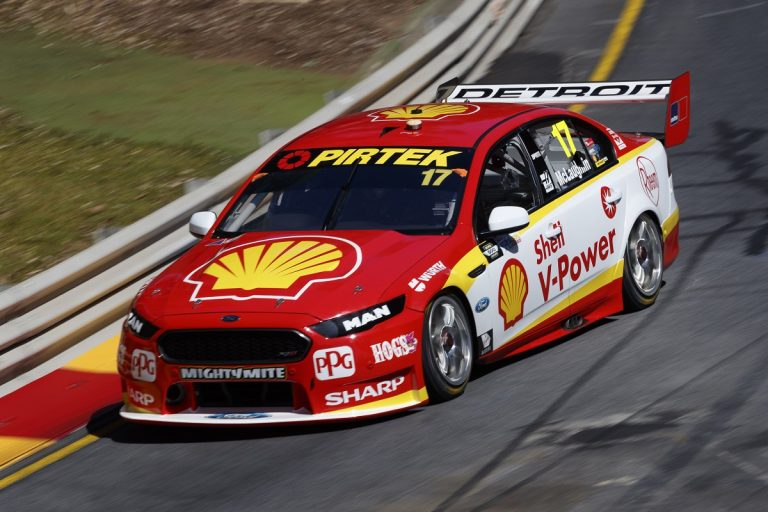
675, 92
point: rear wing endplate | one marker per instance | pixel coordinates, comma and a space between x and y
675, 92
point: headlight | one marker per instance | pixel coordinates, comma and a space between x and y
139, 326
360, 320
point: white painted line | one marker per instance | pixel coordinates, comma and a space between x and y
623, 481
747, 467
729, 11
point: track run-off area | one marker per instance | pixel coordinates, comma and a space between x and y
662, 410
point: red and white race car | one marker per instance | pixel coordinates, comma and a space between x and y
373, 261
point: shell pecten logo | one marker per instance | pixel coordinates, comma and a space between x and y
513, 290
433, 112
274, 268
273, 265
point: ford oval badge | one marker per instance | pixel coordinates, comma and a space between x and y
230, 318
482, 304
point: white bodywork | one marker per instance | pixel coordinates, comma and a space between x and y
576, 229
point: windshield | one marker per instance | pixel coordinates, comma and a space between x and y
411, 190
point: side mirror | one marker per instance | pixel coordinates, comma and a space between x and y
507, 219
201, 223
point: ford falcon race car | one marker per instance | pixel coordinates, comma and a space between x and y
371, 263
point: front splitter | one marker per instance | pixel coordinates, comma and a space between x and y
242, 416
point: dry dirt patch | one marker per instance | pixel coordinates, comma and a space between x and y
333, 35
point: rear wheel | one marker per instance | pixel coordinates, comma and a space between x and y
447, 353
642, 264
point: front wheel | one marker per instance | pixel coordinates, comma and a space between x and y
447, 353
642, 264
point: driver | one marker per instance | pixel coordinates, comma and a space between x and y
595, 151
505, 166
515, 180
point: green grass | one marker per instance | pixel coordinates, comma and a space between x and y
145, 97
102, 136
57, 189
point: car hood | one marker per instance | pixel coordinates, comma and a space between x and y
322, 274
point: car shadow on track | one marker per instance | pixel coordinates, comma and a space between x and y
484, 369
107, 423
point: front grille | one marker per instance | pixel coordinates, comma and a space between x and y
244, 394
233, 346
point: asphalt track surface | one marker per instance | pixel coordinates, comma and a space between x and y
660, 410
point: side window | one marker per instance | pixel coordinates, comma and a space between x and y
548, 189
560, 146
599, 148
507, 181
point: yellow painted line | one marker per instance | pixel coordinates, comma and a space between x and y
100, 359
615, 45
13, 448
618, 40
47, 460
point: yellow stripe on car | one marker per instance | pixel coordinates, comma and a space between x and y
397, 401
668, 225
459, 273
604, 278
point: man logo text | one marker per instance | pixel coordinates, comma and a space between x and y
357, 322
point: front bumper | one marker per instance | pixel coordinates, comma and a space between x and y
232, 417
376, 372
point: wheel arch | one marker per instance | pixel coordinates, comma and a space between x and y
638, 202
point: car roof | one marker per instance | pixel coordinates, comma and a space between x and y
442, 124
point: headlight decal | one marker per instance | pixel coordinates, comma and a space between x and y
360, 320
139, 326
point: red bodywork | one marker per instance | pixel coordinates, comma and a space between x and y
179, 298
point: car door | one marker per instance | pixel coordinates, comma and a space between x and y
588, 198
514, 290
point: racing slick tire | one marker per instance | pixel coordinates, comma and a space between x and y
643, 264
447, 351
